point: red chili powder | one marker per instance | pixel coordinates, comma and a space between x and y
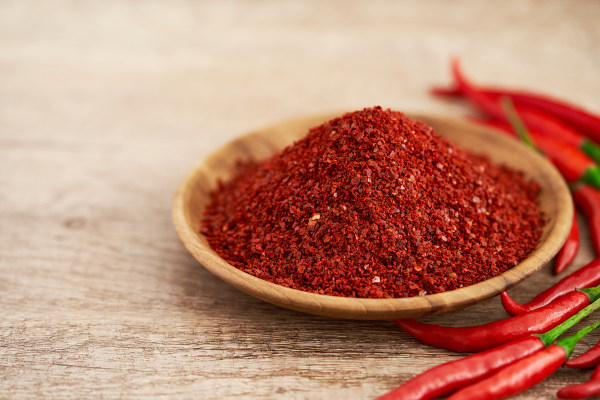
372, 204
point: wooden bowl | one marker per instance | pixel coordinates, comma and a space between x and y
193, 194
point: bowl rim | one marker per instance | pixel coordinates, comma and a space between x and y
367, 308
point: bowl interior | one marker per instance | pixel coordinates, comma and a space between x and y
193, 195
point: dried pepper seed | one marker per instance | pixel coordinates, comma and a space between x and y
331, 215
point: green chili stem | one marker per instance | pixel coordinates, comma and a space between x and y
553, 334
593, 293
592, 150
569, 343
516, 122
591, 177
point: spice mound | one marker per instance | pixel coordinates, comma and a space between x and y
373, 205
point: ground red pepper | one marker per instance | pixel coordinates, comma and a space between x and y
372, 204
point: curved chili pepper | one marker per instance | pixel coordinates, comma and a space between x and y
573, 164
524, 373
588, 201
582, 390
571, 114
451, 376
589, 359
567, 253
493, 334
585, 277
544, 124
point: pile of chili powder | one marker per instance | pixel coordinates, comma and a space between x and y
372, 204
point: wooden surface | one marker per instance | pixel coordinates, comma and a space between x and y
193, 196
105, 105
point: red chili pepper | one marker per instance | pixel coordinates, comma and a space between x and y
543, 123
573, 164
582, 390
567, 253
589, 359
588, 201
524, 373
448, 377
573, 115
493, 334
585, 277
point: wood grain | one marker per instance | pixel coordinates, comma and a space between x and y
106, 105
193, 196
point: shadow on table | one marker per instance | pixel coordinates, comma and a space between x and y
205, 295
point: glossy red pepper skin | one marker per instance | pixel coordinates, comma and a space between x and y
567, 253
589, 359
582, 390
571, 162
575, 116
517, 377
493, 334
449, 377
585, 277
533, 119
550, 127
588, 200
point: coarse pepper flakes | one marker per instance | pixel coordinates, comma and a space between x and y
373, 205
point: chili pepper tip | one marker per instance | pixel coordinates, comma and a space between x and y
510, 306
589, 359
446, 92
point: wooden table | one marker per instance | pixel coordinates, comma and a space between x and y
104, 106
